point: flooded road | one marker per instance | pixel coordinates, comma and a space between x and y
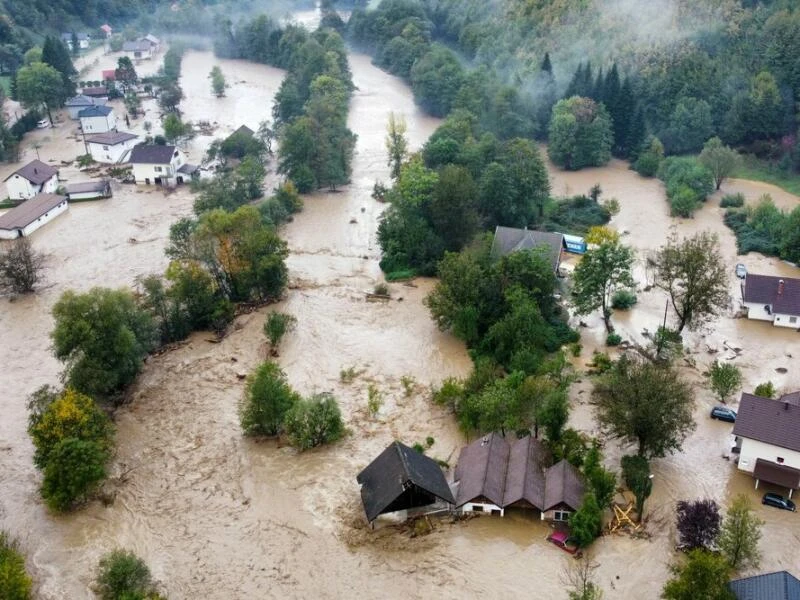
218, 516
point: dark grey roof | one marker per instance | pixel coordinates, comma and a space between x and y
151, 38
152, 154
110, 138
506, 472
87, 186
95, 92
767, 289
95, 111
243, 130
775, 422
26, 213
770, 586
390, 482
511, 239
187, 169
35, 171
137, 46
79, 100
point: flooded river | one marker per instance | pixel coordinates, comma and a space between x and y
219, 516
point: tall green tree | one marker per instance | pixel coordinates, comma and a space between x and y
267, 398
703, 575
15, 582
726, 378
580, 134
586, 523
452, 209
636, 475
436, 78
721, 160
694, 274
600, 273
217, 81
645, 403
56, 54
740, 534
125, 74
396, 143
40, 86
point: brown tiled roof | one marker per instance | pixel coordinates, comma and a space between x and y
509, 472
775, 422
481, 470
781, 475
36, 172
510, 239
26, 213
763, 289
110, 138
564, 485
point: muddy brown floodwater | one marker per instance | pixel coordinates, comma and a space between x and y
219, 516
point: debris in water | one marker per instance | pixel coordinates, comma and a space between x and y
353, 220
781, 370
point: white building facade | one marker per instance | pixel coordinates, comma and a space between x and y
157, 165
26, 218
112, 147
98, 119
34, 178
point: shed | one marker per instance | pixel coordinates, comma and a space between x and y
575, 244
401, 478
26, 218
88, 190
780, 585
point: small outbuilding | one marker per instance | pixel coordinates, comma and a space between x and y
88, 190
780, 585
111, 147
399, 479
34, 178
107, 29
26, 218
98, 119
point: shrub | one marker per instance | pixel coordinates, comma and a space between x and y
575, 349
73, 469
314, 422
400, 275
381, 289
84, 160
408, 383
267, 399
374, 399
585, 524
451, 394
419, 447
613, 339
123, 575
765, 390
601, 362
726, 378
276, 326
732, 200
429, 441
623, 299
15, 584
348, 375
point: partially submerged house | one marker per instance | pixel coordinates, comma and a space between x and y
767, 435
160, 165
26, 218
511, 239
774, 299
34, 178
77, 104
781, 585
138, 50
494, 474
83, 40
106, 29
98, 119
155, 43
401, 478
88, 190
111, 147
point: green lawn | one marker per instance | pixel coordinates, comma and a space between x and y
760, 170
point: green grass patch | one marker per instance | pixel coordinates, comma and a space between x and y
5, 83
401, 275
761, 170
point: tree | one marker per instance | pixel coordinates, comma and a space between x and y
602, 481
56, 54
702, 573
217, 81
40, 86
73, 470
123, 575
649, 159
267, 399
726, 378
15, 583
765, 390
636, 474
314, 422
133, 103
436, 78
600, 273
175, 128
102, 336
690, 125
585, 524
740, 534
452, 209
170, 96
276, 326
579, 577
125, 74
21, 267
580, 134
698, 524
396, 143
645, 403
721, 160
695, 276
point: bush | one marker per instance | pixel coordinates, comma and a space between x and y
575, 349
585, 524
732, 200
374, 399
601, 362
72, 471
726, 378
314, 422
122, 576
613, 339
267, 399
276, 326
84, 160
15, 584
765, 390
688, 183
381, 289
623, 299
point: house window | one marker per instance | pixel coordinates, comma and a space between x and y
792, 319
560, 515
780, 460
157, 169
105, 147
477, 508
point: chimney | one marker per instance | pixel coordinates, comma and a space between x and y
786, 405
780, 287
36, 172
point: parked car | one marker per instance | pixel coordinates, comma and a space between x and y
778, 502
741, 271
723, 413
43, 124
563, 541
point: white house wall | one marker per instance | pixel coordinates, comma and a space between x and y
99, 124
19, 188
481, 507
10, 234
104, 153
752, 449
757, 312
790, 321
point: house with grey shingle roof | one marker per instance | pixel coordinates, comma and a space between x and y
767, 435
781, 585
770, 298
160, 165
510, 239
34, 178
97, 119
24, 219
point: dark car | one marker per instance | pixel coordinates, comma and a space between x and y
778, 502
723, 414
